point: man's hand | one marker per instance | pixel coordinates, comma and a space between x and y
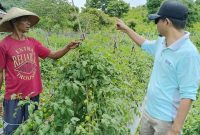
183, 110
132, 34
173, 132
60, 53
73, 45
121, 26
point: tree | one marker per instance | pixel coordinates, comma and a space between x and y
197, 2
117, 8
112, 7
99, 4
92, 19
52, 13
13, 3
194, 11
153, 5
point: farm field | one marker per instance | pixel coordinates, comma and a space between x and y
99, 87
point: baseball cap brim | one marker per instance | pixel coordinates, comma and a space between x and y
153, 16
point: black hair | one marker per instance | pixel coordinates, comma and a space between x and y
2, 8
178, 24
159, 18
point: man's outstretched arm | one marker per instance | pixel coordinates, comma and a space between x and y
139, 40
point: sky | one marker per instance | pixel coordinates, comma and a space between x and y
133, 3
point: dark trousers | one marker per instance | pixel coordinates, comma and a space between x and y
14, 115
